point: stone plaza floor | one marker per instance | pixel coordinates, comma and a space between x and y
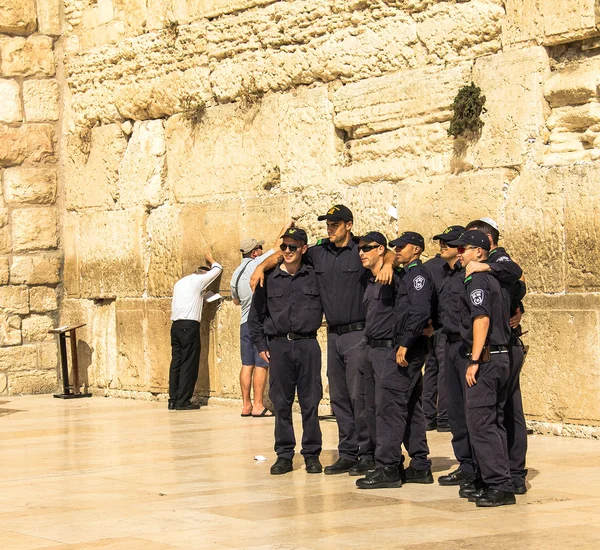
110, 473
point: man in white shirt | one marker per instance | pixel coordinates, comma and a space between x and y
186, 313
252, 255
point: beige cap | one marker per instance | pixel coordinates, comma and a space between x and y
248, 245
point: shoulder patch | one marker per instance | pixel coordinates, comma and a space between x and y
322, 241
504, 259
477, 297
469, 279
419, 282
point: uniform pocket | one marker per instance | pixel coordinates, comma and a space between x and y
480, 399
311, 297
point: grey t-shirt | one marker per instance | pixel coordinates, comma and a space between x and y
243, 293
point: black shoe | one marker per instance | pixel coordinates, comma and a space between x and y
313, 465
340, 466
282, 466
171, 405
443, 428
383, 478
470, 488
431, 426
520, 489
364, 465
188, 407
493, 497
457, 477
417, 476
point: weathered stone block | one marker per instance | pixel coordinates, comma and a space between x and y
110, 260
30, 185
575, 85
69, 242
42, 100
35, 328
91, 179
577, 118
263, 218
10, 330
165, 262
4, 270
142, 172
34, 228
534, 227
131, 364
42, 269
48, 16
158, 343
31, 383
19, 358
47, 356
30, 143
10, 101
582, 226
17, 16
513, 85
42, 299
32, 56
14, 299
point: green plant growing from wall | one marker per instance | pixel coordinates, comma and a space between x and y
193, 110
172, 27
468, 106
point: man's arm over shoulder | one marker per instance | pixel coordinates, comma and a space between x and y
420, 287
505, 269
256, 318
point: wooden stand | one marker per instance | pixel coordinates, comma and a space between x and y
63, 334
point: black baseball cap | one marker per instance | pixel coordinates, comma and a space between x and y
338, 213
450, 233
409, 237
296, 233
372, 237
473, 237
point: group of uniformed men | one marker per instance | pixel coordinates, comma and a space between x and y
381, 309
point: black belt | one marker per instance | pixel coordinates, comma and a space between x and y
382, 343
451, 338
494, 349
295, 336
343, 329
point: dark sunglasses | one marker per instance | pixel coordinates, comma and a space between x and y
291, 247
462, 249
368, 247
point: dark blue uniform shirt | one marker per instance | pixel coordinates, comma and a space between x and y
285, 304
342, 280
449, 303
436, 266
508, 272
380, 307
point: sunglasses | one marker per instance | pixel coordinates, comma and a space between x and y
291, 247
462, 249
368, 247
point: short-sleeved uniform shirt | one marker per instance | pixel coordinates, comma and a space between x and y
449, 299
508, 273
380, 308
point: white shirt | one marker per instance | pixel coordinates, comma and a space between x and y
188, 294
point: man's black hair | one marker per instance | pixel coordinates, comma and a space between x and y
486, 228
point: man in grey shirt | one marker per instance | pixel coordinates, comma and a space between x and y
252, 255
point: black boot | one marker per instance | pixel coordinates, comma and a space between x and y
340, 466
457, 477
313, 465
470, 489
493, 497
187, 407
387, 477
171, 405
431, 426
443, 428
364, 465
520, 488
282, 466
417, 476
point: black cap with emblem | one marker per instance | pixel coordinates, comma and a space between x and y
450, 233
372, 237
296, 233
473, 237
409, 237
338, 213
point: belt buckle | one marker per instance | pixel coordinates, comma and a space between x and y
288, 336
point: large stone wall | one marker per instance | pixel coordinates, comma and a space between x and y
30, 259
304, 103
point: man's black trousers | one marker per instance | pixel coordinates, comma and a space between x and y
514, 418
296, 365
346, 357
434, 385
185, 360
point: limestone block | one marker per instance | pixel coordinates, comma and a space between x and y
34, 228
158, 343
215, 226
142, 172
575, 85
32, 56
512, 83
5, 242
47, 356
35, 328
69, 242
164, 243
110, 260
534, 227
30, 185
18, 358
263, 218
369, 204
10, 330
31, 383
40, 269
582, 226
91, 180
131, 365
48, 16
30, 143
10, 101
228, 350
42, 299
42, 100
561, 328
569, 119
4, 270
14, 299
17, 17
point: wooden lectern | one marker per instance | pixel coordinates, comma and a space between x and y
64, 333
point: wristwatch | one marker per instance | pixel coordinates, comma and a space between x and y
475, 362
